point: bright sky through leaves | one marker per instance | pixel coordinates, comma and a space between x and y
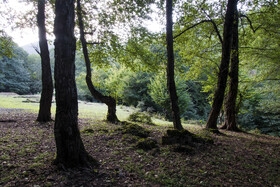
24, 36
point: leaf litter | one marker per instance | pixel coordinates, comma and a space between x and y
27, 149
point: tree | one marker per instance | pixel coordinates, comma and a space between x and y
223, 68
70, 148
47, 83
108, 100
230, 103
6, 45
33, 64
159, 94
14, 76
170, 68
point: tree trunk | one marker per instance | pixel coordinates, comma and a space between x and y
70, 148
224, 66
170, 68
47, 83
230, 104
109, 101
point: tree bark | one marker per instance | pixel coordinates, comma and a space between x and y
230, 104
44, 114
109, 101
70, 148
223, 69
170, 68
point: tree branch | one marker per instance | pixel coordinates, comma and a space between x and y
89, 33
250, 23
262, 49
203, 21
93, 43
271, 79
36, 49
214, 25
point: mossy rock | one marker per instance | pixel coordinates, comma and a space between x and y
183, 137
147, 144
134, 129
103, 130
178, 133
130, 138
141, 117
89, 131
177, 137
186, 149
204, 136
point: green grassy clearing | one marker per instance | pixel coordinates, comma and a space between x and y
95, 111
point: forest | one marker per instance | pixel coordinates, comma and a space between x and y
110, 102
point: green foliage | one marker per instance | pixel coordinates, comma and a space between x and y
6, 45
14, 76
135, 89
259, 84
158, 92
33, 64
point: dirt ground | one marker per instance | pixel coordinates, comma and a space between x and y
27, 149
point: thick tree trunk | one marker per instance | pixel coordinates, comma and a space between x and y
224, 66
109, 101
70, 148
47, 83
170, 68
230, 104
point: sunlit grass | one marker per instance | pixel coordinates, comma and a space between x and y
98, 111
17, 102
95, 111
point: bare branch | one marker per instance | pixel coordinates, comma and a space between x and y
262, 49
250, 23
36, 49
214, 25
89, 33
93, 43
271, 79
203, 21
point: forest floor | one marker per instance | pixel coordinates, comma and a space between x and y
27, 149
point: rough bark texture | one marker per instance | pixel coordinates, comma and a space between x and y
170, 68
109, 101
70, 148
47, 83
230, 104
224, 66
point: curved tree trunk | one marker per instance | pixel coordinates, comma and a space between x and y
170, 68
230, 104
109, 101
70, 148
47, 83
224, 66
